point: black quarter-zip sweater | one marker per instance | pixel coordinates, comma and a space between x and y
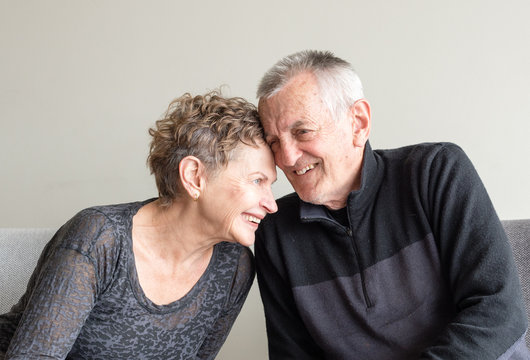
423, 269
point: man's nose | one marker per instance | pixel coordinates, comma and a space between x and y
288, 154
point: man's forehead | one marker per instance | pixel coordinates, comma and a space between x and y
281, 107
298, 90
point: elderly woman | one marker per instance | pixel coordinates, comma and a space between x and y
163, 278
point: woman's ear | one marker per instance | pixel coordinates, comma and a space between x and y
191, 171
361, 116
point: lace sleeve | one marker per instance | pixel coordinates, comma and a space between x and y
61, 294
243, 279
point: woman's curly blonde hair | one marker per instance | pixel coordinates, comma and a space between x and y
208, 127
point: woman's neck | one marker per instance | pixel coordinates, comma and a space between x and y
170, 252
173, 233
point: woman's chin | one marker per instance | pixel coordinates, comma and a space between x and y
246, 241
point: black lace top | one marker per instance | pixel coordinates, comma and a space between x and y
84, 300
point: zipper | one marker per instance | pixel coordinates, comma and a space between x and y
367, 300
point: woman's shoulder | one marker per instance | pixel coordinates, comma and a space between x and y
240, 260
234, 253
235, 259
97, 225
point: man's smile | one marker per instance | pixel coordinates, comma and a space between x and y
305, 169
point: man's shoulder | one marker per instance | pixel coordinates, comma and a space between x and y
425, 154
424, 148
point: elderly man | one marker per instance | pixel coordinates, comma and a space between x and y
380, 254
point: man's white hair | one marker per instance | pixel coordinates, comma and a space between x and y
338, 83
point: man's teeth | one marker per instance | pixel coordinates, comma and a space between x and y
304, 170
252, 219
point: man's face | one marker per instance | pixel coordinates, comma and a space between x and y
315, 151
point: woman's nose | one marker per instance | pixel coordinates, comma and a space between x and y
268, 202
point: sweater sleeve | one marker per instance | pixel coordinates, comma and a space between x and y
477, 262
241, 284
61, 293
287, 335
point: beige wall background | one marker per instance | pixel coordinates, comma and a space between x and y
82, 81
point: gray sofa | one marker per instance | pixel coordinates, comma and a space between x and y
20, 249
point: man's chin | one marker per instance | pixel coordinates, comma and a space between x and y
319, 199
309, 197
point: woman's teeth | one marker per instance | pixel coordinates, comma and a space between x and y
304, 170
252, 219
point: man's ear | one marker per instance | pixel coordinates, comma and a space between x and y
361, 124
191, 171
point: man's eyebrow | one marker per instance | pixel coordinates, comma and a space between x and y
296, 124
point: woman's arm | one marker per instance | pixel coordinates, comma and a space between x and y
61, 293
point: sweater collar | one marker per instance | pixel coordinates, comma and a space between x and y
358, 200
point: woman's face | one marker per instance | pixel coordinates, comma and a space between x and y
239, 196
